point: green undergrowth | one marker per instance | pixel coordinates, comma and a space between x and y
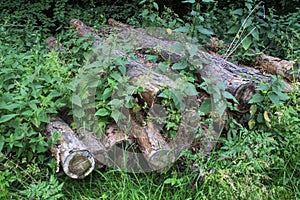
257, 156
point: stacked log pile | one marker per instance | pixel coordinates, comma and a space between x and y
78, 152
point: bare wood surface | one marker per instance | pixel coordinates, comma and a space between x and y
278, 66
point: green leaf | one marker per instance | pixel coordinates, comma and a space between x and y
117, 115
10, 107
251, 124
282, 96
107, 93
237, 12
180, 65
208, 1
1, 142
116, 75
274, 98
263, 87
204, 31
155, 5
182, 29
163, 66
6, 118
256, 98
43, 117
76, 100
246, 43
116, 103
206, 106
178, 99
253, 109
102, 112
190, 89
233, 30
266, 116
255, 34
228, 95
189, 1
192, 49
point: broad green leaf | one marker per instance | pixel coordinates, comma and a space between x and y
282, 96
43, 117
192, 49
220, 107
248, 22
117, 115
178, 99
190, 89
233, 30
76, 100
163, 66
228, 95
208, 1
237, 12
122, 69
78, 113
116, 75
274, 98
177, 48
9, 107
256, 98
155, 5
180, 65
206, 106
116, 102
33, 106
263, 87
27, 113
102, 112
255, 34
204, 31
247, 42
8, 117
182, 29
107, 93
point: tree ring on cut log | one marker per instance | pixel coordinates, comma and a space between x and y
78, 164
243, 94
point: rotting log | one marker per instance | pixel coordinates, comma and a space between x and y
155, 149
153, 83
279, 66
74, 157
239, 81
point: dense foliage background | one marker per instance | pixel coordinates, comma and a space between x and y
250, 162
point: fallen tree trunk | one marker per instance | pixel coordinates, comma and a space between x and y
74, 157
239, 81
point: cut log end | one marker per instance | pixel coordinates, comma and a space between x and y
161, 159
79, 164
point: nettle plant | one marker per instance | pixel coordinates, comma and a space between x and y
154, 16
269, 97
